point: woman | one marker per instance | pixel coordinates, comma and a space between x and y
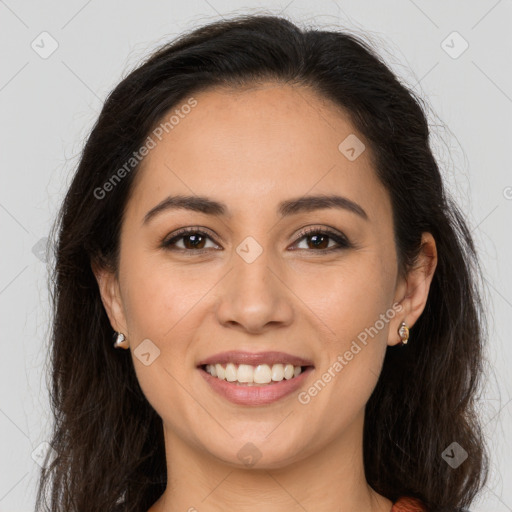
258, 220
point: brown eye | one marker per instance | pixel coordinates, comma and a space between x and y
319, 240
193, 241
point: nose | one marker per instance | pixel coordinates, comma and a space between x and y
255, 296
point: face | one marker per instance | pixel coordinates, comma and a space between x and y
313, 280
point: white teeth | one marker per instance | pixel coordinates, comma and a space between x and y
231, 373
219, 369
251, 375
262, 374
288, 371
245, 373
277, 372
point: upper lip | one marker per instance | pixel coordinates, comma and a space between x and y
255, 358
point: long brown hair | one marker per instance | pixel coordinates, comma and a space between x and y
108, 439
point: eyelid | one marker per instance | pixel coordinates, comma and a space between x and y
339, 237
185, 231
320, 229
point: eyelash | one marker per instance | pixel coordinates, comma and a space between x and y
342, 241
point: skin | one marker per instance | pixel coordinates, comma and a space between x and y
250, 149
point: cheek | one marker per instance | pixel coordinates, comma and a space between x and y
158, 294
159, 303
353, 306
350, 297
162, 304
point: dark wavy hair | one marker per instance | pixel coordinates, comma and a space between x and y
107, 438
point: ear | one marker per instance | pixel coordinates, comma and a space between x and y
110, 292
412, 292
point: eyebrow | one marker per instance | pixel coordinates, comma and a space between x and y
286, 208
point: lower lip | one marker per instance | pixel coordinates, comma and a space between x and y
255, 395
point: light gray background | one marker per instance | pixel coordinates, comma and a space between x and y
48, 106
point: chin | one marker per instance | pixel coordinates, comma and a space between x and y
257, 453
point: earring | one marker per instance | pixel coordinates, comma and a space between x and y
403, 331
121, 341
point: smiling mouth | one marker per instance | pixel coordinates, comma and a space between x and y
249, 375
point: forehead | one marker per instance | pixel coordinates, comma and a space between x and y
252, 147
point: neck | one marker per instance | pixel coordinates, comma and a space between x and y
331, 479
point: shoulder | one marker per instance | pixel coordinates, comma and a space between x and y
406, 504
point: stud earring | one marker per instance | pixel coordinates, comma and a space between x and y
403, 331
121, 341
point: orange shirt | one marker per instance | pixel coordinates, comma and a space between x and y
405, 504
